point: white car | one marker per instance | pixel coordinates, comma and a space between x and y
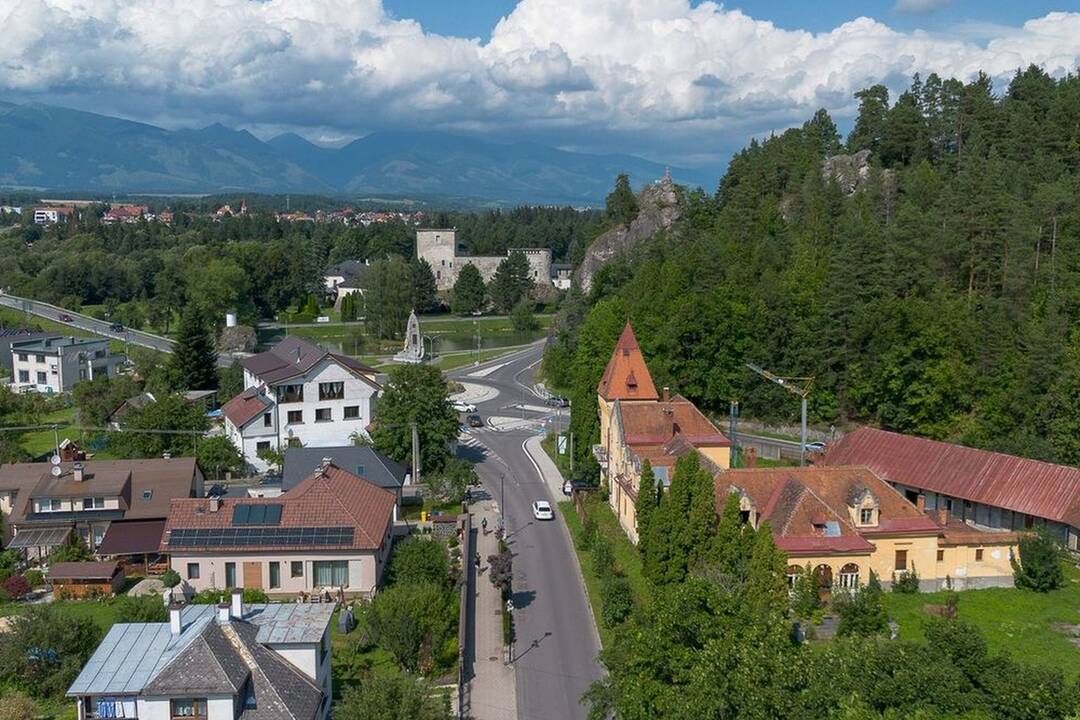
815, 447
464, 407
542, 510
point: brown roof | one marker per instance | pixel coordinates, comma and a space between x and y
330, 497
1006, 481
246, 406
132, 537
294, 356
83, 570
797, 502
161, 478
657, 423
626, 376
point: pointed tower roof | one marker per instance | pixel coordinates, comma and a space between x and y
626, 376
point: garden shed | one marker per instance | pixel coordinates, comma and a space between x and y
83, 579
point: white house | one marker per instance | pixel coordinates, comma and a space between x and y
299, 394
56, 364
228, 662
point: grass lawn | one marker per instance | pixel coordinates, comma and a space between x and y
1019, 622
41, 442
349, 664
626, 558
14, 318
412, 512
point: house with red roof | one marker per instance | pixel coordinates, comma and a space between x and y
299, 394
979, 488
639, 424
331, 533
845, 521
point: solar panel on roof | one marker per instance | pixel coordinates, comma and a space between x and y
251, 514
245, 536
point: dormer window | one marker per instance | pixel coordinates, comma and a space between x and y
864, 507
866, 516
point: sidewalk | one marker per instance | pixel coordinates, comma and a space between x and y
546, 467
493, 688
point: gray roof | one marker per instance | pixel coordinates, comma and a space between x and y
290, 622
52, 344
366, 462
208, 665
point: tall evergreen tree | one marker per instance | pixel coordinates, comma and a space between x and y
389, 297
765, 592
469, 291
621, 206
193, 365
512, 281
425, 298
870, 124
645, 506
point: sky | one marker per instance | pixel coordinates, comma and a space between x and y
677, 81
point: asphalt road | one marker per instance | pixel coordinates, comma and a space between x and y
557, 645
90, 324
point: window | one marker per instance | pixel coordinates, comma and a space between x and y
331, 391
193, 571
93, 503
275, 575
39, 358
147, 494
99, 535
268, 419
978, 554
793, 573
331, 573
23, 357
901, 561
849, 576
230, 574
866, 516
262, 445
187, 708
296, 568
43, 378
352, 412
296, 417
290, 393
323, 415
50, 505
24, 376
941, 556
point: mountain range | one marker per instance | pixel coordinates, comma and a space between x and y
54, 148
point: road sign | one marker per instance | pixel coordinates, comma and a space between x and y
562, 444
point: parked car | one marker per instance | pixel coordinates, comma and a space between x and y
475, 421
541, 510
464, 407
816, 446
64, 317
116, 327
557, 401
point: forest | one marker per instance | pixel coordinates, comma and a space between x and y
936, 293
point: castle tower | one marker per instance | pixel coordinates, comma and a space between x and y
626, 378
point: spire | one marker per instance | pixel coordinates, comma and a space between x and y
627, 376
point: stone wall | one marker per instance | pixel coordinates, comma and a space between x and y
439, 248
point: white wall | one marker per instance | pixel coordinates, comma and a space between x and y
219, 707
336, 432
247, 438
362, 570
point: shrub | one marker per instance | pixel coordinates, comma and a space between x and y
501, 570
418, 561
170, 578
252, 596
906, 582
588, 531
1039, 567
412, 622
17, 706
74, 550
862, 611
34, 577
4, 597
603, 560
44, 649
392, 697
806, 594
17, 587
141, 609
5, 573
616, 600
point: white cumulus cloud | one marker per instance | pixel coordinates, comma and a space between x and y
662, 77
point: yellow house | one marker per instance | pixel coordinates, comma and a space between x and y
846, 521
637, 424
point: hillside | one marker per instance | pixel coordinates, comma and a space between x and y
62, 149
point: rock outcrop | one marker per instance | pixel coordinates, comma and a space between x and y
853, 172
238, 338
660, 206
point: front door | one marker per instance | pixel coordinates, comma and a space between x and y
253, 575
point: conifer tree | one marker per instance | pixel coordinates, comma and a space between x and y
512, 281
425, 298
469, 291
194, 361
765, 591
645, 506
621, 205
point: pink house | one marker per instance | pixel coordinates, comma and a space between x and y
332, 532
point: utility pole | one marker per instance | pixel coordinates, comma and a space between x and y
796, 386
571, 453
732, 428
415, 454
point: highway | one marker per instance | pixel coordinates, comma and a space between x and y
557, 645
89, 324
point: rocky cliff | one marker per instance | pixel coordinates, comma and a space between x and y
660, 206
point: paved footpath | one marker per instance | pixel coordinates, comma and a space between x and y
493, 688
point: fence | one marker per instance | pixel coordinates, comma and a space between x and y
467, 594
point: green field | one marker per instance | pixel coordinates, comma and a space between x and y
42, 442
1030, 626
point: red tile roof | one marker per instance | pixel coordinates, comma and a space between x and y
657, 423
1025, 486
245, 407
626, 376
330, 497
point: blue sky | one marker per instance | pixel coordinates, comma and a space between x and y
680, 82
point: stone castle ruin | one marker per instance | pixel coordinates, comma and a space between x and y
440, 248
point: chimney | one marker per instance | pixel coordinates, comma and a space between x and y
236, 608
223, 613
326, 462
174, 618
667, 394
920, 502
215, 503
77, 470
943, 515
298, 355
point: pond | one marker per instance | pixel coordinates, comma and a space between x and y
351, 340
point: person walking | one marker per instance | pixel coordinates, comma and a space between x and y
483, 525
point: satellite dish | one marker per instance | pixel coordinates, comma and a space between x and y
55, 459
56, 471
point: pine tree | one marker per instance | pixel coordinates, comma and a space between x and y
512, 281
870, 125
621, 205
425, 298
194, 361
645, 506
469, 291
765, 591
731, 543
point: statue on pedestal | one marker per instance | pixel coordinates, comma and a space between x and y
413, 352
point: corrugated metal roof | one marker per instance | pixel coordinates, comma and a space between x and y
1025, 486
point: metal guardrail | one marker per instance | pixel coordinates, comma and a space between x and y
37, 307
